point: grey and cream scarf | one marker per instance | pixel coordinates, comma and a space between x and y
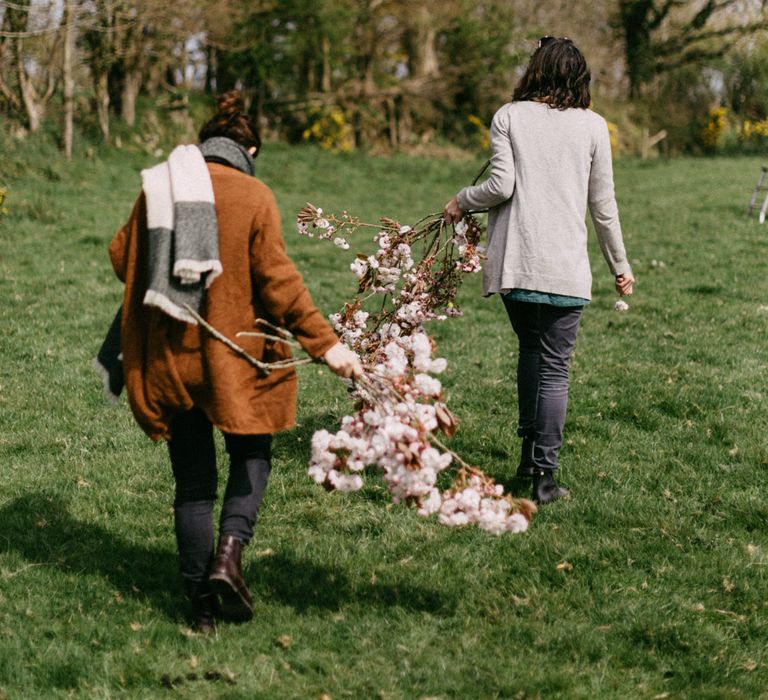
181, 220
183, 233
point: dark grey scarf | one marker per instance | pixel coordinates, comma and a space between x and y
228, 152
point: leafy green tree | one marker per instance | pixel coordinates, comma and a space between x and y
480, 55
746, 81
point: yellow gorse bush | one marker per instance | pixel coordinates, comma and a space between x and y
330, 129
726, 130
613, 134
482, 134
3, 208
753, 130
713, 132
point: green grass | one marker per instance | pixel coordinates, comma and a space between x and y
666, 457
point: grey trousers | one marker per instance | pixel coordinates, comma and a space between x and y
193, 459
547, 336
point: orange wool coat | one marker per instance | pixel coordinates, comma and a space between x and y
171, 366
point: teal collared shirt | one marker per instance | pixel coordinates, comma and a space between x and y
535, 297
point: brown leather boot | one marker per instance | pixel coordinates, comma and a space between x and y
226, 580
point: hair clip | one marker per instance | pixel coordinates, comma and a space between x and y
549, 39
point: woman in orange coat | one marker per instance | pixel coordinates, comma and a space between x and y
181, 381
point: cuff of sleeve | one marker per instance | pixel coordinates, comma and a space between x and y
462, 200
622, 268
318, 347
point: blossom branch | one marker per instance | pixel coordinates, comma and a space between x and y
399, 403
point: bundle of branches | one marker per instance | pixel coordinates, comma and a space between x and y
413, 277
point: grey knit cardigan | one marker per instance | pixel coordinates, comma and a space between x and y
547, 165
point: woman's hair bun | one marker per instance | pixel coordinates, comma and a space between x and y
231, 104
232, 121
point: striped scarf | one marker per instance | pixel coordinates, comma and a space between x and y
183, 233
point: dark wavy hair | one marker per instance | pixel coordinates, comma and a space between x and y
557, 74
232, 121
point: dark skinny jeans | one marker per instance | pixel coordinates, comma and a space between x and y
547, 336
193, 459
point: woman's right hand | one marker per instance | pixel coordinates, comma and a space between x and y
624, 284
452, 212
343, 361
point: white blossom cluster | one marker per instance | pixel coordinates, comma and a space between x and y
351, 327
470, 254
382, 271
481, 502
320, 226
621, 305
395, 443
394, 437
400, 403
392, 432
391, 429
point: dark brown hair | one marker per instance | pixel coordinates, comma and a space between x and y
556, 74
232, 121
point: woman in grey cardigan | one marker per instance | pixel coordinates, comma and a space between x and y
551, 157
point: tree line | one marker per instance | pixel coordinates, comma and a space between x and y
371, 72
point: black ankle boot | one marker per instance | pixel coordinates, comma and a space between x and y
204, 608
545, 490
526, 467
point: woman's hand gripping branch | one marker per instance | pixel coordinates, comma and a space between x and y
343, 361
451, 212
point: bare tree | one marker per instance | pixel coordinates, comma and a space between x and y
33, 34
70, 20
100, 55
660, 35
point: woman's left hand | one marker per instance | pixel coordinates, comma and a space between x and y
624, 284
451, 212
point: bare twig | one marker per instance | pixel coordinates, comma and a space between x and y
480, 174
29, 34
267, 336
280, 331
292, 362
28, 566
264, 367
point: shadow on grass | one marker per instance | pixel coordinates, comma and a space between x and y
517, 486
42, 530
295, 443
307, 585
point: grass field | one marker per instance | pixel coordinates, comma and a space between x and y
663, 588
